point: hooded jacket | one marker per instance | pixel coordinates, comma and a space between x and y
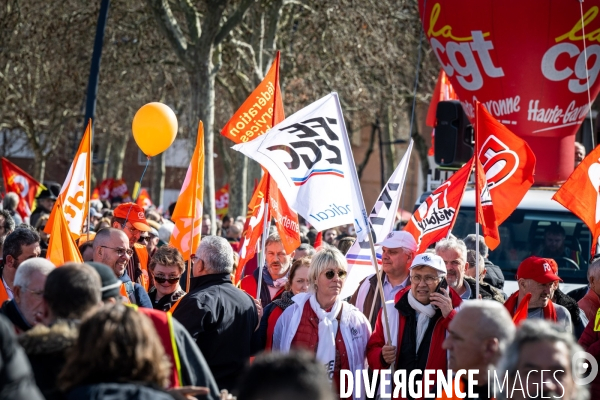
221, 318
46, 348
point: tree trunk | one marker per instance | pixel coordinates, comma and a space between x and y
202, 83
420, 145
238, 193
389, 149
39, 167
118, 156
254, 175
158, 182
104, 156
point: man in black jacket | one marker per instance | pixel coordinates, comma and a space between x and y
219, 316
494, 275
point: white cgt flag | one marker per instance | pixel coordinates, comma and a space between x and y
309, 156
382, 218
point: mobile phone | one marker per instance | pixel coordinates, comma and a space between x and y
443, 284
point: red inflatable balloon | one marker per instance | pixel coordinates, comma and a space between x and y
524, 60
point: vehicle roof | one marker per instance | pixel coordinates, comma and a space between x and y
538, 199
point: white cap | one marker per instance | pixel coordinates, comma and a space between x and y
397, 239
429, 260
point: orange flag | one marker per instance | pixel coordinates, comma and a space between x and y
188, 210
143, 199
18, 181
262, 110
75, 192
581, 193
507, 161
435, 217
254, 225
61, 247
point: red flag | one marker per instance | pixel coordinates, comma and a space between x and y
254, 225
18, 181
104, 189
119, 189
144, 199
435, 217
319, 240
222, 201
507, 161
485, 209
581, 193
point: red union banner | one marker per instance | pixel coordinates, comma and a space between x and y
525, 62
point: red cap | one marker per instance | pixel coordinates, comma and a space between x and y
134, 214
539, 269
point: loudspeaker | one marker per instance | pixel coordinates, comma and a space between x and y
453, 143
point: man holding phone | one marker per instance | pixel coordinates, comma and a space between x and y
418, 318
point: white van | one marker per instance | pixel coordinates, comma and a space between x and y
522, 235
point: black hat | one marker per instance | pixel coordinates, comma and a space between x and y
46, 194
111, 286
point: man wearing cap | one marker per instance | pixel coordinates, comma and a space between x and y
398, 250
45, 203
533, 299
130, 218
418, 321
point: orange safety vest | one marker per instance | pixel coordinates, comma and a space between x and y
142, 254
163, 323
3, 293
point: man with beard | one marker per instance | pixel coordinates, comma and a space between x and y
533, 299
274, 274
111, 247
454, 253
7, 225
130, 218
22, 244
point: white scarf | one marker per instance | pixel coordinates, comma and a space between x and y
280, 282
328, 326
425, 312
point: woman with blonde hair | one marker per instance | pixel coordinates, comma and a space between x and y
321, 322
117, 353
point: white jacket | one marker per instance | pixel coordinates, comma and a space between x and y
354, 326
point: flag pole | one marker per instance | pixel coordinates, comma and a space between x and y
261, 255
195, 183
89, 178
477, 261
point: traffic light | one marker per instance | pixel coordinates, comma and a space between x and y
453, 144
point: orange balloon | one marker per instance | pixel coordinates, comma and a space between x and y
154, 128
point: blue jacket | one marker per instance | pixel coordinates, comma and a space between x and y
140, 296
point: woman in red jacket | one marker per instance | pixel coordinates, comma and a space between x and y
297, 283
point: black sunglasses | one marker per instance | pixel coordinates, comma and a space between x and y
331, 273
172, 281
144, 239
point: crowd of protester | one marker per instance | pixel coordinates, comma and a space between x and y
126, 325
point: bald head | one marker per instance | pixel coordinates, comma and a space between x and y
111, 247
479, 335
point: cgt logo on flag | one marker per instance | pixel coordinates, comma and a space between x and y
498, 160
311, 150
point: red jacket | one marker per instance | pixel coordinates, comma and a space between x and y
307, 338
436, 358
272, 321
590, 341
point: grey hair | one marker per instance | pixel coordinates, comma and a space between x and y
216, 253
11, 201
273, 238
593, 268
495, 321
471, 260
327, 257
470, 241
538, 330
29, 267
452, 244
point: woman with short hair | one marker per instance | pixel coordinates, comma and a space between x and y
166, 267
321, 322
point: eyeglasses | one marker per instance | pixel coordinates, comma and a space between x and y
120, 251
428, 279
144, 239
35, 292
331, 273
163, 279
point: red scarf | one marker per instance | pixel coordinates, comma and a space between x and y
519, 313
